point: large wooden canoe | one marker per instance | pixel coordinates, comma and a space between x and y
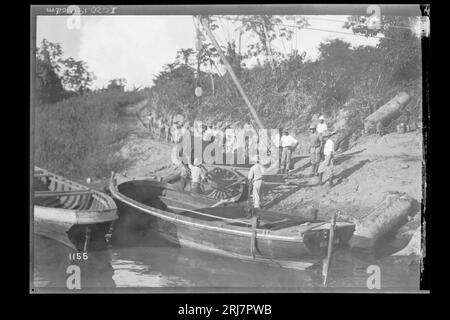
279, 239
71, 213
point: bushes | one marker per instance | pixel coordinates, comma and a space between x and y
80, 136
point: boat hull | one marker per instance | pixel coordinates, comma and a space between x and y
293, 252
71, 213
79, 232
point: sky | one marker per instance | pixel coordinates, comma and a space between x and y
137, 47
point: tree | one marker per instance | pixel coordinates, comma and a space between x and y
48, 86
267, 27
401, 47
76, 76
117, 84
58, 78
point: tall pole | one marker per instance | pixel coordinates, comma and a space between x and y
327, 261
232, 74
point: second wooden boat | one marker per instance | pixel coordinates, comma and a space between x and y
71, 213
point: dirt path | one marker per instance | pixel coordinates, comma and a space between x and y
147, 156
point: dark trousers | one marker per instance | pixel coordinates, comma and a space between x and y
183, 183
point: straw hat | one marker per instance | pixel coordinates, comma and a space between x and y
321, 118
312, 126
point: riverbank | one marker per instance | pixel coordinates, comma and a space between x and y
373, 169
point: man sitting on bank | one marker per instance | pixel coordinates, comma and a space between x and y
288, 144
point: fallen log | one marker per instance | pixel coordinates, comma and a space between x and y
386, 218
387, 112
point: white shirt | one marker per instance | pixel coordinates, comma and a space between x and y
256, 172
328, 147
230, 139
276, 140
197, 173
287, 141
321, 127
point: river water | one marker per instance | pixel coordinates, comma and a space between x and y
154, 265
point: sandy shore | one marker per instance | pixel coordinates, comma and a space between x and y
364, 174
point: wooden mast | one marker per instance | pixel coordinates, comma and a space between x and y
230, 70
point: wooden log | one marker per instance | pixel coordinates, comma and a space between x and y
386, 218
388, 112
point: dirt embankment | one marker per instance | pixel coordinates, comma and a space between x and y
363, 174
373, 168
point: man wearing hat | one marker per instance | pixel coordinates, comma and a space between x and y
327, 164
288, 144
315, 145
321, 126
255, 179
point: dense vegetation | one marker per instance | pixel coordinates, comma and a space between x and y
289, 90
77, 131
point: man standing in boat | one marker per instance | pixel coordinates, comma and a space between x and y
198, 175
255, 179
184, 173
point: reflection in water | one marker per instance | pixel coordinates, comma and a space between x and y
155, 263
51, 260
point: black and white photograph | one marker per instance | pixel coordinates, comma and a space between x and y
228, 149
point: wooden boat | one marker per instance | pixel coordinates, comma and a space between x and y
71, 213
195, 222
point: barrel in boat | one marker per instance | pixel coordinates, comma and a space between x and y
71, 213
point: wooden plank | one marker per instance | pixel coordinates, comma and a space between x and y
61, 193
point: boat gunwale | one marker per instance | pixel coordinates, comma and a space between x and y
75, 215
106, 200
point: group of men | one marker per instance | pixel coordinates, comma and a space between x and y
321, 147
321, 150
194, 172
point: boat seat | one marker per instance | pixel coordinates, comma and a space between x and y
49, 202
281, 224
